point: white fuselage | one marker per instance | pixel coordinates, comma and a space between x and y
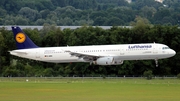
118, 52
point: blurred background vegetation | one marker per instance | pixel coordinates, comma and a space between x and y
89, 12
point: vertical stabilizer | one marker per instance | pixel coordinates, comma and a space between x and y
22, 40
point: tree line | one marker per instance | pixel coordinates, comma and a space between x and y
51, 36
87, 12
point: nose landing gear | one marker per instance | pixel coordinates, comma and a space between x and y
156, 61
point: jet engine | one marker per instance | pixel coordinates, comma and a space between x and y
107, 61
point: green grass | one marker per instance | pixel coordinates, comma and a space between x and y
18, 89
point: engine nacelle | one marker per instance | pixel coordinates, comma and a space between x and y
107, 61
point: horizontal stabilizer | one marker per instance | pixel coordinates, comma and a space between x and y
15, 52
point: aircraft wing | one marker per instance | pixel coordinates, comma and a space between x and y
86, 57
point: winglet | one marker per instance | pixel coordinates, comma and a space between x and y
22, 40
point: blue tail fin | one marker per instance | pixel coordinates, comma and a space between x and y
22, 40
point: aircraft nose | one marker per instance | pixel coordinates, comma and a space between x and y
173, 52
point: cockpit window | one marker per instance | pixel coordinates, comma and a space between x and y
165, 48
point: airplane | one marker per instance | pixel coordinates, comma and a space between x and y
94, 54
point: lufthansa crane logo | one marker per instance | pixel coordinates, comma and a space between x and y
20, 37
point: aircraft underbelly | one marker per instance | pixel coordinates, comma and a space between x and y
143, 57
58, 58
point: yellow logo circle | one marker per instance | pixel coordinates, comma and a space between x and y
20, 37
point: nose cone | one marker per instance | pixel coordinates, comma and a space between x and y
172, 52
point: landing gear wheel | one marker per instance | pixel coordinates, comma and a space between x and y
156, 61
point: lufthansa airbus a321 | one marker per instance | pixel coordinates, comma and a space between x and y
96, 54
